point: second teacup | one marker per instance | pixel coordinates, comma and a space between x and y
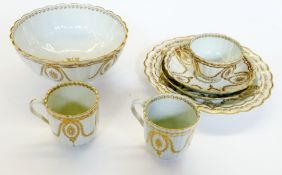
72, 112
169, 121
215, 56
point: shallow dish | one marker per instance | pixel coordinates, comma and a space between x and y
69, 41
246, 100
193, 93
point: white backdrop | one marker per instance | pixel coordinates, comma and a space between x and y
245, 143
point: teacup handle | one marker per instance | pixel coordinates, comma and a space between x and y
134, 111
37, 114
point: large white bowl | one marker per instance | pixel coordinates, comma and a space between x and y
69, 41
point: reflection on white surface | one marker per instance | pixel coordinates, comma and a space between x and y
215, 49
64, 33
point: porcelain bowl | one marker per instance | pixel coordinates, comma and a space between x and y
69, 41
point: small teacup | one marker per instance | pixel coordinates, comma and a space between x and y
169, 121
214, 56
72, 112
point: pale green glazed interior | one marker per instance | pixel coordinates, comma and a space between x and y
171, 113
71, 100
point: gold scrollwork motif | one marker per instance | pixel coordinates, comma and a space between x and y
104, 67
255, 95
161, 142
231, 74
227, 74
54, 72
72, 128
238, 77
183, 56
204, 78
72, 59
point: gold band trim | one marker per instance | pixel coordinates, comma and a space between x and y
259, 96
172, 96
213, 64
83, 63
81, 116
224, 73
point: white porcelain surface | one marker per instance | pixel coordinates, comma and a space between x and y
248, 143
254, 96
166, 108
181, 69
68, 33
80, 39
216, 50
89, 126
167, 143
64, 95
83, 73
70, 129
212, 53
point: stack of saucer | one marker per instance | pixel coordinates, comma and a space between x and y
219, 74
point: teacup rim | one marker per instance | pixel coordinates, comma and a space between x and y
77, 116
187, 100
80, 63
211, 63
